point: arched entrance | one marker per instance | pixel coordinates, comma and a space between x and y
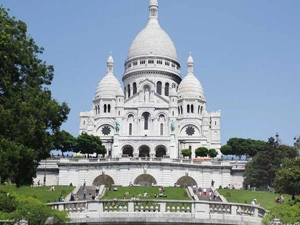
128, 151
160, 151
145, 180
186, 181
103, 180
144, 151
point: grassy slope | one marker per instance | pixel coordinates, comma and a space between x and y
265, 199
172, 193
43, 194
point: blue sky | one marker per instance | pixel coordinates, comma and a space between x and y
246, 54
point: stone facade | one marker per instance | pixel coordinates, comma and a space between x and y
157, 113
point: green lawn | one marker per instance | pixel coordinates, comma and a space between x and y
265, 199
43, 194
170, 193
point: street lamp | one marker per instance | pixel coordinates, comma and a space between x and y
45, 173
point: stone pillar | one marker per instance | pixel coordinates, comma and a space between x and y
115, 149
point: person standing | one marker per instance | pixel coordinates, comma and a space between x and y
84, 193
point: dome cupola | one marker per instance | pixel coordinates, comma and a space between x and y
109, 86
152, 40
190, 87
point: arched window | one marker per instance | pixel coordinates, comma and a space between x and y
134, 88
146, 116
190, 148
178, 110
192, 108
198, 109
181, 110
167, 87
108, 108
158, 87
128, 87
98, 108
104, 108
130, 129
188, 109
201, 109
161, 129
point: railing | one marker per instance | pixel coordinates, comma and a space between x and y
87, 208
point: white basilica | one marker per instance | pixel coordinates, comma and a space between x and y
158, 112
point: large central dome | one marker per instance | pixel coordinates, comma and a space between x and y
152, 40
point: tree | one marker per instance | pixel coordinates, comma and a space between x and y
28, 115
265, 164
64, 141
287, 179
241, 146
226, 150
186, 152
89, 144
201, 151
212, 153
14, 207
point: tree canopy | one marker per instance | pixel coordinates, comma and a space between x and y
29, 116
266, 162
201, 151
242, 146
89, 144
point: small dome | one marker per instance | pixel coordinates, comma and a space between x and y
109, 86
190, 87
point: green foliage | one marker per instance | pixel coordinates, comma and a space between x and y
17, 207
241, 146
28, 115
287, 178
265, 164
186, 152
212, 153
89, 144
226, 150
64, 141
201, 151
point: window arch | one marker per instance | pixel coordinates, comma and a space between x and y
188, 109
158, 87
181, 109
128, 90
108, 108
134, 88
192, 108
104, 108
167, 87
130, 129
161, 129
146, 117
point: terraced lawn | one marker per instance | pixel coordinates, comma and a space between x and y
44, 194
170, 193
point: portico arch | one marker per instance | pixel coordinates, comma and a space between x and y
103, 179
145, 180
144, 151
160, 151
127, 150
186, 181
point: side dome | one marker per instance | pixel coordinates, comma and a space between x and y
153, 40
109, 86
190, 87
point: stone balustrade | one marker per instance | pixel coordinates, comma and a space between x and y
162, 210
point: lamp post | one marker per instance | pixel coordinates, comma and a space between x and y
45, 173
